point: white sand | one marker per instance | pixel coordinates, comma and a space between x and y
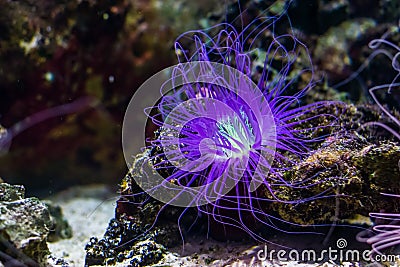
88, 216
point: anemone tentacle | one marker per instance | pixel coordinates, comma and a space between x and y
212, 130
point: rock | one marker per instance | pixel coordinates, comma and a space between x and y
141, 231
60, 229
25, 226
331, 51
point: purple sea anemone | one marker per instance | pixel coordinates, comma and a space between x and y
230, 121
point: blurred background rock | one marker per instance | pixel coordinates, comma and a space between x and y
55, 52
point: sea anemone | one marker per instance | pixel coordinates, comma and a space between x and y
229, 122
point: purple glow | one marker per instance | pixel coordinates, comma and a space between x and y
216, 132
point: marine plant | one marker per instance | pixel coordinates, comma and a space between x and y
238, 131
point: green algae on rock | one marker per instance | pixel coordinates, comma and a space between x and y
352, 167
353, 172
332, 47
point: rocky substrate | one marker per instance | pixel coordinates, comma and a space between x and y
26, 224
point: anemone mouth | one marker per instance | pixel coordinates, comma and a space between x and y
211, 131
237, 132
231, 136
226, 138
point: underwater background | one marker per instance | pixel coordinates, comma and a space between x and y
89, 57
